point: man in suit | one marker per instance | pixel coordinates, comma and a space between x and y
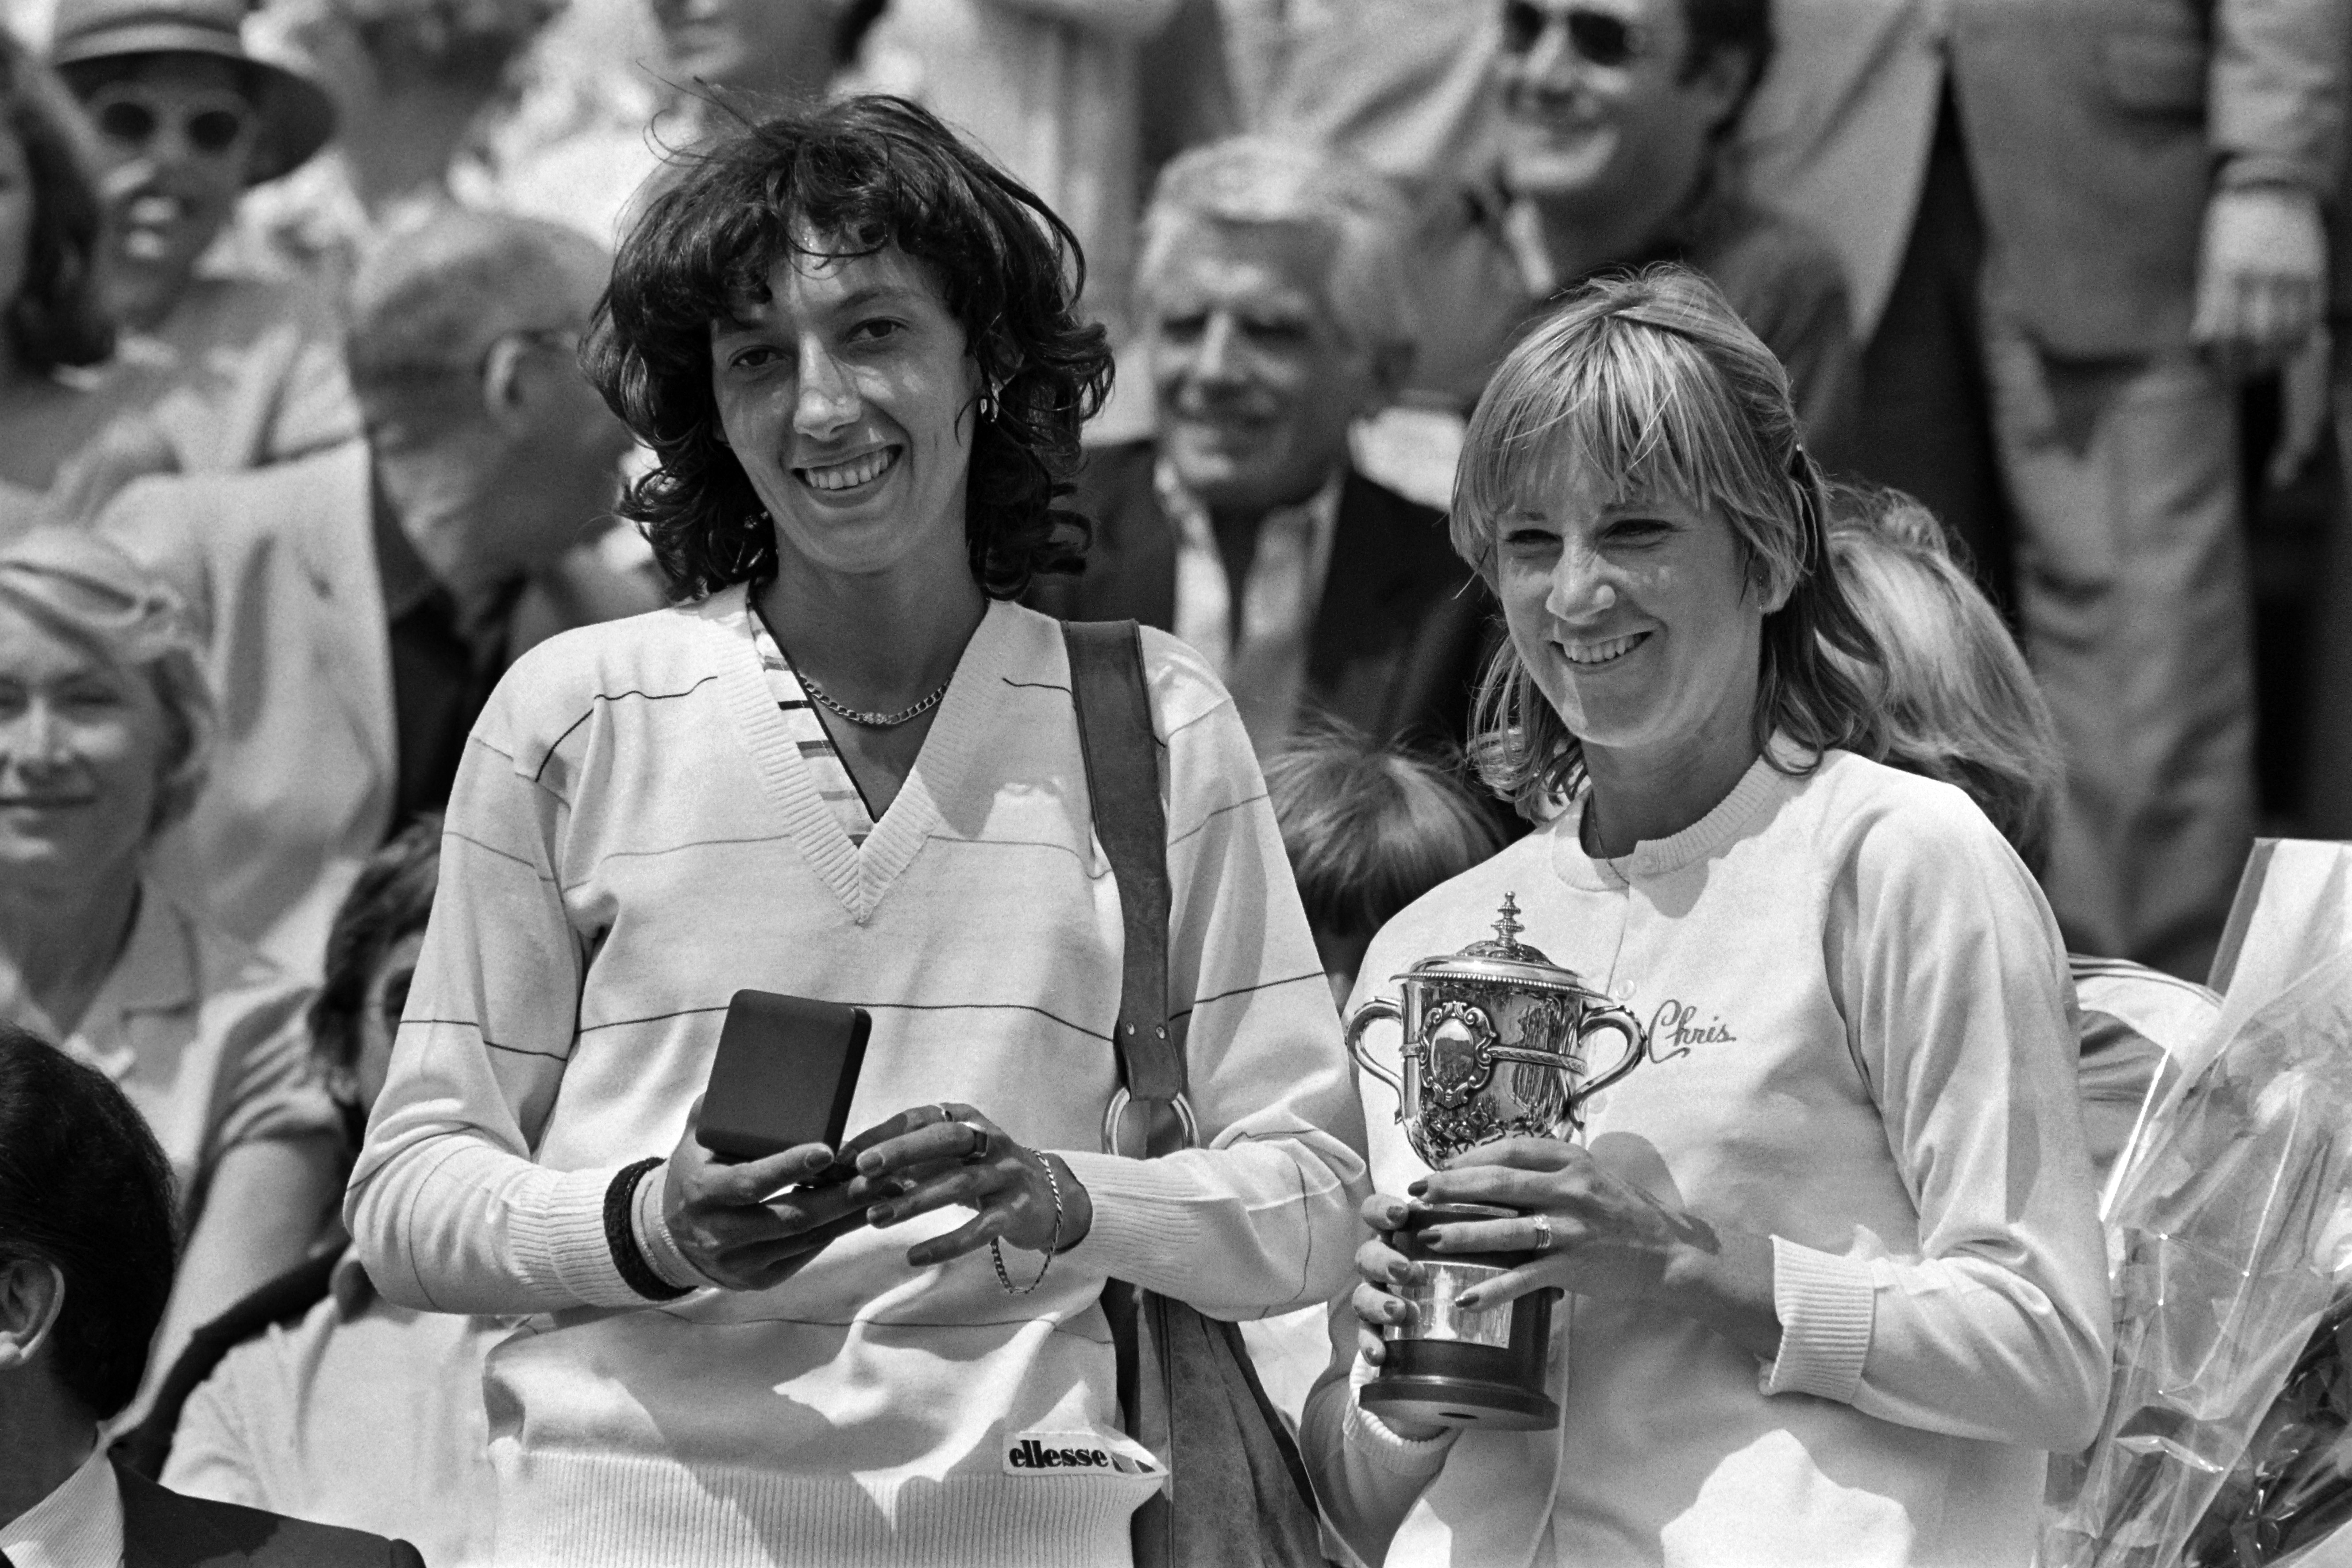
360, 603
2113, 211
86, 1240
1274, 315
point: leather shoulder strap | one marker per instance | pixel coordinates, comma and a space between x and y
1122, 756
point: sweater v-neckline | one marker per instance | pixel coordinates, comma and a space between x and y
861, 877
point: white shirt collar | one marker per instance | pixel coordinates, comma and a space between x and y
80, 1525
1259, 651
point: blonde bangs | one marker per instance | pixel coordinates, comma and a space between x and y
1649, 385
1640, 410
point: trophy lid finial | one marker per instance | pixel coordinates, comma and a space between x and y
1502, 959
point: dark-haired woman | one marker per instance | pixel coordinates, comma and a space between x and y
844, 765
51, 318
1835, 1279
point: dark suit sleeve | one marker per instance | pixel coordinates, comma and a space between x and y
403, 1555
2277, 92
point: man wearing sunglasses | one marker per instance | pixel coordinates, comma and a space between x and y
185, 120
362, 602
1612, 117
1546, 140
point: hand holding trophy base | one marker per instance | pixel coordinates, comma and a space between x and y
1449, 1366
1494, 1048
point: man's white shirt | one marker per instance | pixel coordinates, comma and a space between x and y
1262, 660
80, 1525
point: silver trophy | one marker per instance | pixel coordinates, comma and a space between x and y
1494, 1048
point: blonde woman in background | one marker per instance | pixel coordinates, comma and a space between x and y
1960, 704
104, 721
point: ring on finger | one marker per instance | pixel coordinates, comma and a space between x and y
1543, 1232
983, 1144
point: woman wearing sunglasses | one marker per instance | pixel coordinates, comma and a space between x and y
1835, 1278
239, 370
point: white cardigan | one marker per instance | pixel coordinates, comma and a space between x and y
633, 838
1857, 1006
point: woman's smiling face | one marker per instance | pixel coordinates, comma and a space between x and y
83, 747
848, 395
1637, 616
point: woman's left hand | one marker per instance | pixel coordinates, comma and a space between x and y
952, 1154
1598, 1235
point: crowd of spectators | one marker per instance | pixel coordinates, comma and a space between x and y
663, 435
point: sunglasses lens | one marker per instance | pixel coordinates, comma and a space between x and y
1523, 24
131, 123
215, 130
1599, 38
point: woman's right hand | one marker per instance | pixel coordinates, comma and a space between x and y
1377, 1305
1383, 1267
734, 1226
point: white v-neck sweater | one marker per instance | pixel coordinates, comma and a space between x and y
633, 838
1859, 1045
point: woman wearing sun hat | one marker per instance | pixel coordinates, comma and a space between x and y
241, 370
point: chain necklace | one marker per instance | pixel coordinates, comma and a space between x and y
870, 719
859, 716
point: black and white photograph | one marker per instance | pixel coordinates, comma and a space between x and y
1175, 784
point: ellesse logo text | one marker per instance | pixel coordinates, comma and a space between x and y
1078, 1453
1029, 1454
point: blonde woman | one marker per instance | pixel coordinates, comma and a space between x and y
1960, 704
1833, 1274
104, 716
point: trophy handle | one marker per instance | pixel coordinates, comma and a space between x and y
1624, 1023
1370, 1013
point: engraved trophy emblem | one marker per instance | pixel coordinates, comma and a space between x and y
1495, 1041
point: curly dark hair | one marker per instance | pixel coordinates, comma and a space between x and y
57, 317
849, 179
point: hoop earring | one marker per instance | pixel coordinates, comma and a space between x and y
988, 406
749, 543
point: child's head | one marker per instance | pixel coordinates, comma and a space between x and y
1368, 831
1958, 703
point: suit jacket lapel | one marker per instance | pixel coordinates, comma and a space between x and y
1131, 566
159, 1531
1371, 566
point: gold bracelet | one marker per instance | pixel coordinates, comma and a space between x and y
1052, 1242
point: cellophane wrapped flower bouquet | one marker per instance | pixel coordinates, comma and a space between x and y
2224, 1235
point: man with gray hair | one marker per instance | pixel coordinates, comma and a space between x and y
360, 603
1276, 314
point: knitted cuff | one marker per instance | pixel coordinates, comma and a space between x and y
1828, 1305
620, 1234
1147, 1219
1382, 1444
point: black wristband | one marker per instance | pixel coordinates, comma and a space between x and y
620, 1234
